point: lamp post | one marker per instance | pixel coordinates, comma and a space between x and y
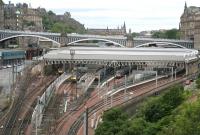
125, 90
156, 79
86, 121
72, 53
172, 73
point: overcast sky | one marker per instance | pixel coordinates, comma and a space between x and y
139, 15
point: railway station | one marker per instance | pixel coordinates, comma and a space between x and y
162, 56
99, 78
116, 73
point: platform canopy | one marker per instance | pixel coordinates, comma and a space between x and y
127, 56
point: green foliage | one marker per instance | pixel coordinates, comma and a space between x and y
134, 34
1, 2
62, 28
170, 34
163, 106
159, 34
47, 21
198, 83
185, 121
114, 122
51, 13
153, 117
174, 96
66, 24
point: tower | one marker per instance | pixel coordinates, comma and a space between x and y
129, 42
185, 7
124, 28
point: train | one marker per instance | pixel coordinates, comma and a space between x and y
103, 73
60, 71
75, 77
122, 72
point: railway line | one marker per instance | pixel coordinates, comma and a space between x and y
19, 115
119, 100
98, 104
55, 107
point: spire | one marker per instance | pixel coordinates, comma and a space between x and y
124, 28
185, 5
185, 8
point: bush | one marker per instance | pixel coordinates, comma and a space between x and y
198, 83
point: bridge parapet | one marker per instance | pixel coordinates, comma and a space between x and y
68, 38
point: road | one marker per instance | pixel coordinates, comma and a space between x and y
6, 76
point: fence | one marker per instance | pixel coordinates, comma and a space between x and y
43, 101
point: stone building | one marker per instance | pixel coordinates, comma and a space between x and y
21, 17
190, 25
10, 18
32, 20
1, 16
118, 31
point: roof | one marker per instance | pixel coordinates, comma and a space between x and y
122, 54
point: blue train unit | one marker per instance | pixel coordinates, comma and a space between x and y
10, 57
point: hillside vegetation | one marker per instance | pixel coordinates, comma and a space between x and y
61, 23
171, 113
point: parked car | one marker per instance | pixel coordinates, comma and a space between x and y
9, 66
4, 67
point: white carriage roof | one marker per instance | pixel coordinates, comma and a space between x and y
123, 54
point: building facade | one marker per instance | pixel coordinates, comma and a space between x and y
1, 16
21, 17
118, 31
190, 25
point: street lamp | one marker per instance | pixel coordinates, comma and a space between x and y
125, 90
72, 53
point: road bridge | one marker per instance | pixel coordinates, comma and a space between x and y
69, 39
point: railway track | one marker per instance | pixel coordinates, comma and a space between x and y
31, 98
98, 106
74, 105
16, 123
53, 110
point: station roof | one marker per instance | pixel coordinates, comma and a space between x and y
122, 54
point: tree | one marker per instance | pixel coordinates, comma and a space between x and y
135, 34
170, 34
185, 121
1, 2
154, 117
198, 83
113, 122
174, 96
159, 34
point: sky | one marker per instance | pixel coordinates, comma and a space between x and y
139, 15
